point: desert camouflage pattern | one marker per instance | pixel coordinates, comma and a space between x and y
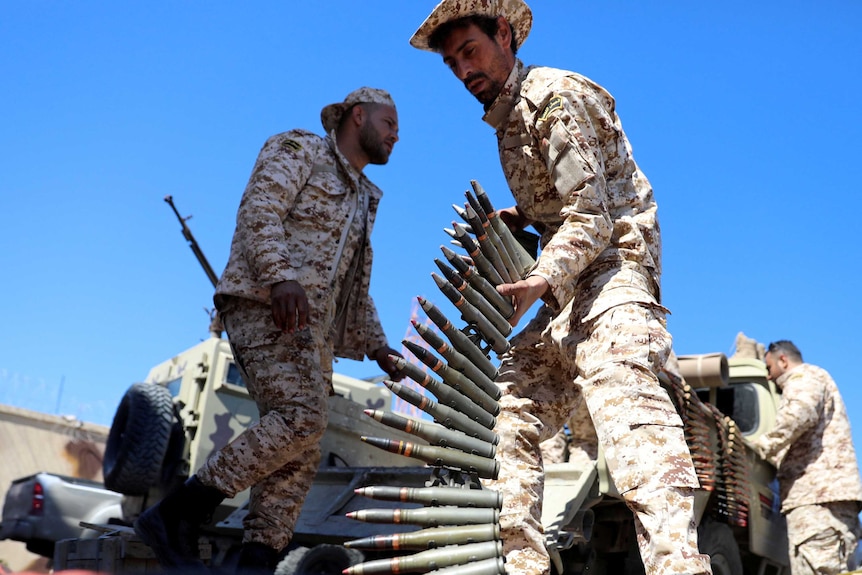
615, 356
330, 116
301, 203
822, 537
811, 443
601, 337
516, 12
306, 215
289, 376
577, 443
570, 167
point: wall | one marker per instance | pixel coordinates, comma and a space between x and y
30, 442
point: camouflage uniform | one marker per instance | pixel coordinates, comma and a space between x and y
600, 338
306, 215
818, 475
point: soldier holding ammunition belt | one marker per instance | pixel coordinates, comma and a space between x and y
570, 168
293, 295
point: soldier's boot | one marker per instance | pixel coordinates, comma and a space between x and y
256, 559
171, 527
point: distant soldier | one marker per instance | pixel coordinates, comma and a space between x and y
293, 295
821, 493
600, 338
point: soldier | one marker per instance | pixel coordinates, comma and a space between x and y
818, 477
294, 294
570, 168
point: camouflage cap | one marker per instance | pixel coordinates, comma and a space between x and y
515, 11
330, 116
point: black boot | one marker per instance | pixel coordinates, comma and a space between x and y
256, 559
170, 528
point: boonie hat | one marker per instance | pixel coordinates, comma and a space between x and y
515, 11
330, 116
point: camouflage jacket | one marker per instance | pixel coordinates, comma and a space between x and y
306, 215
570, 168
811, 443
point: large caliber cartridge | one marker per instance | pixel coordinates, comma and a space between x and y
439, 456
429, 516
445, 395
444, 415
430, 538
460, 497
434, 434
458, 361
458, 339
430, 560
454, 378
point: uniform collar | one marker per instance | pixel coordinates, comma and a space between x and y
498, 112
357, 178
354, 174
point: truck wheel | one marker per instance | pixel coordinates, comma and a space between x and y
321, 559
138, 439
717, 541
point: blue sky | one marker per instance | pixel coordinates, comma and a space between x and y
743, 115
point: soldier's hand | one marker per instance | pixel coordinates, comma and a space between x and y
289, 306
514, 218
381, 356
524, 294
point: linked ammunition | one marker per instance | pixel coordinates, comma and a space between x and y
435, 496
513, 246
470, 314
460, 341
461, 212
453, 378
486, 245
430, 560
428, 516
434, 434
479, 260
430, 538
513, 266
439, 456
475, 298
458, 361
479, 283
444, 415
444, 394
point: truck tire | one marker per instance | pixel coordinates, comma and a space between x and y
138, 439
716, 540
321, 559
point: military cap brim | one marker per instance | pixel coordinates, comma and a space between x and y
516, 12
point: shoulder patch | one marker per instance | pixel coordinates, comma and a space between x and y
291, 145
555, 104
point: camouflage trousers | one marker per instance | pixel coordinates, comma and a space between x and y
606, 368
289, 376
822, 538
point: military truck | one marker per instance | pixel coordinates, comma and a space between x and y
196, 402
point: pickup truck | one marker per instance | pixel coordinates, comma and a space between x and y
44, 508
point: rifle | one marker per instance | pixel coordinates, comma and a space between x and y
193, 244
